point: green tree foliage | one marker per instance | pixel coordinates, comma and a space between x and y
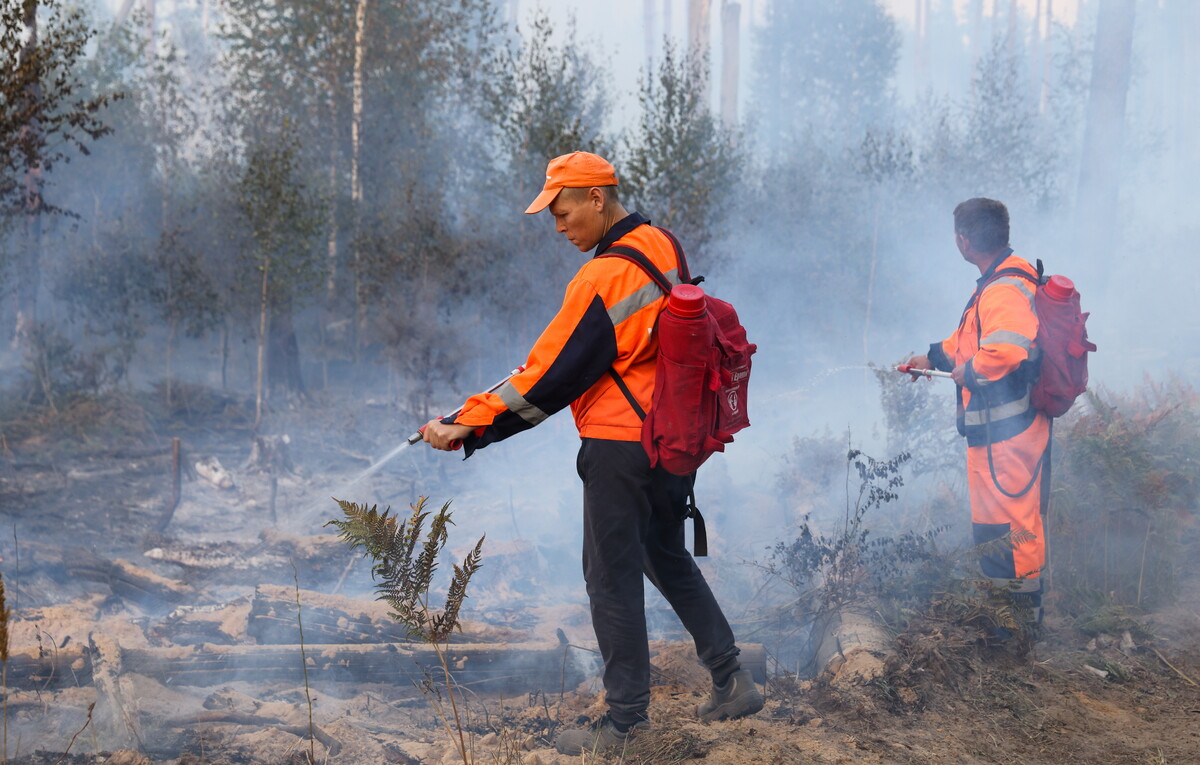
282, 217
278, 254
138, 255
44, 112
551, 98
550, 102
680, 165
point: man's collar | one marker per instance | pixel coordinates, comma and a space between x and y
620, 229
992, 268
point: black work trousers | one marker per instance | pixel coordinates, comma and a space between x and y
633, 525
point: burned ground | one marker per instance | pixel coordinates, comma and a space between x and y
178, 642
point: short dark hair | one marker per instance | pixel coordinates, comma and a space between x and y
984, 222
610, 193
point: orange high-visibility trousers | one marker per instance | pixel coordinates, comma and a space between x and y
994, 515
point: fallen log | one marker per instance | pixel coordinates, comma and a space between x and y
508, 668
339, 619
503, 668
125, 579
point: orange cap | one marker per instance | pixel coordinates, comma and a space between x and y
577, 170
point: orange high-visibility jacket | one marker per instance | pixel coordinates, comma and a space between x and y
607, 320
995, 339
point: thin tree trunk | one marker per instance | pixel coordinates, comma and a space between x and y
918, 43
123, 13
172, 334
224, 353
356, 187
1035, 47
331, 246
259, 389
1012, 27
699, 29
731, 15
976, 12
1047, 57
150, 29
29, 271
649, 17
1096, 209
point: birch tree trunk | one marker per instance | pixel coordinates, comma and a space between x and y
731, 16
918, 43
1096, 207
331, 246
1035, 48
29, 270
150, 27
649, 17
698, 36
356, 187
1047, 57
976, 32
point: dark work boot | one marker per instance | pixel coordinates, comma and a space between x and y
602, 736
737, 697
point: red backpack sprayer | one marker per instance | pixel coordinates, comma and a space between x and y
1061, 365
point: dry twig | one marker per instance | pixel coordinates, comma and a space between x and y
1178, 671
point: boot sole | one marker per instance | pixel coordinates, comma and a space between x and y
743, 706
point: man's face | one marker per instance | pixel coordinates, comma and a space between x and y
579, 216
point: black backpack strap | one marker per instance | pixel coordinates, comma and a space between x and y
637, 408
639, 258
699, 532
685, 275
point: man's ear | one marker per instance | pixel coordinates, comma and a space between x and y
596, 197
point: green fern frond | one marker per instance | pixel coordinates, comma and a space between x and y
402, 573
426, 565
447, 621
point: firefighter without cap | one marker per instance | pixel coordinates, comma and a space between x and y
992, 356
632, 514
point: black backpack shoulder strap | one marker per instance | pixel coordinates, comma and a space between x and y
639, 258
1016, 272
685, 274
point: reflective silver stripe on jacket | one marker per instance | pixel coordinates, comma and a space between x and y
517, 403
978, 417
642, 297
1007, 336
1019, 283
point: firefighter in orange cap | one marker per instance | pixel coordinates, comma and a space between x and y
993, 358
598, 355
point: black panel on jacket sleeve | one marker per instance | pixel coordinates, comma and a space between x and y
939, 359
585, 357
